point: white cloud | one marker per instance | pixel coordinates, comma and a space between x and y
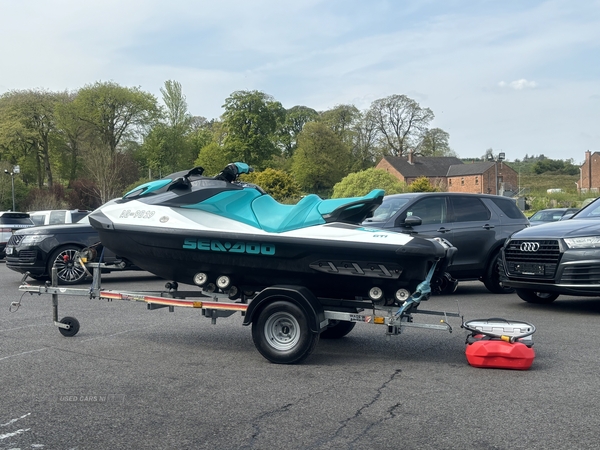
518, 84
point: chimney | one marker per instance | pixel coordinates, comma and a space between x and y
410, 157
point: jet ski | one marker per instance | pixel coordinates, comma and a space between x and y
229, 236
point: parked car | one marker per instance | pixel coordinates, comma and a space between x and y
58, 216
556, 258
476, 224
9, 222
35, 250
551, 215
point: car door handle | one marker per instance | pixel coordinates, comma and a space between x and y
443, 230
487, 226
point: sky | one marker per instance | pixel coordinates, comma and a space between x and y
519, 77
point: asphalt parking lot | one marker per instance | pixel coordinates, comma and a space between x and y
133, 378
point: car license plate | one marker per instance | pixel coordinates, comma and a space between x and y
9, 250
529, 269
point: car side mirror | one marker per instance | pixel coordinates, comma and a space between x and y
411, 221
567, 216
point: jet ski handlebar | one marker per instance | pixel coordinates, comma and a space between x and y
232, 171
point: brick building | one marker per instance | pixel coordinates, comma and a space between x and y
589, 174
480, 178
452, 175
413, 167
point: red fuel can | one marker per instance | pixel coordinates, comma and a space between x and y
499, 354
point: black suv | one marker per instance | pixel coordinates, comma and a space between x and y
555, 258
35, 250
9, 222
476, 224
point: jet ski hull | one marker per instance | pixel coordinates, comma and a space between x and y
333, 260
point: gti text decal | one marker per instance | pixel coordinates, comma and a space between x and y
213, 245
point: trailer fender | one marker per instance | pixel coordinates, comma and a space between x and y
298, 295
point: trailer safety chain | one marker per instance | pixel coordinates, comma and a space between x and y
16, 305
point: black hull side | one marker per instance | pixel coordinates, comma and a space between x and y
327, 268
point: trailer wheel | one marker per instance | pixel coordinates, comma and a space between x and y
73, 323
337, 329
282, 335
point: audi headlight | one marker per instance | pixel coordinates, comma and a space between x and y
583, 242
32, 239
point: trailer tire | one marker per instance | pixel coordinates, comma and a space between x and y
337, 329
281, 333
73, 323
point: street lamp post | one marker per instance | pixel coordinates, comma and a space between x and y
16, 169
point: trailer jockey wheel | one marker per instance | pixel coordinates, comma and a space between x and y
73, 324
282, 335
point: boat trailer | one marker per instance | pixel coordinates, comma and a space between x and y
287, 321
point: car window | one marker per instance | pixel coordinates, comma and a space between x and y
57, 217
469, 209
592, 211
388, 208
508, 207
76, 216
15, 220
430, 210
38, 219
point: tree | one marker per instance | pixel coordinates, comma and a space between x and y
401, 122
213, 158
321, 159
251, 120
29, 130
74, 132
435, 143
167, 147
112, 114
277, 183
361, 183
295, 119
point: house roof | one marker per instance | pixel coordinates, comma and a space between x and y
429, 166
477, 168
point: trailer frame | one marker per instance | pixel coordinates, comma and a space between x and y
286, 320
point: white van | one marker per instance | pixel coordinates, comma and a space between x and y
57, 216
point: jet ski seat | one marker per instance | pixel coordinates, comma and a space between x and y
275, 217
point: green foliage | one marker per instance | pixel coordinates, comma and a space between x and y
277, 183
422, 184
435, 142
295, 118
213, 158
321, 159
361, 183
251, 120
113, 115
555, 166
